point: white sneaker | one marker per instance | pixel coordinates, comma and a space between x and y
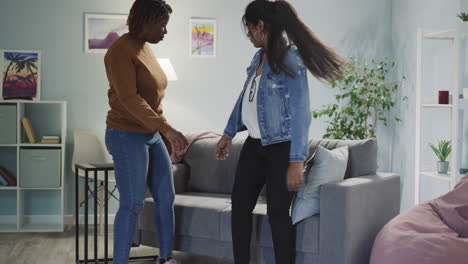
171, 261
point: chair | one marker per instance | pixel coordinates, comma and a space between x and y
89, 149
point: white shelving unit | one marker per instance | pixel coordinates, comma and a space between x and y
454, 37
34, 209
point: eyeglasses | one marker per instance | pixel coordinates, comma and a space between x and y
253, 89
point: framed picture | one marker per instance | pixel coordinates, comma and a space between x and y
202, 38
101, 30
20, 74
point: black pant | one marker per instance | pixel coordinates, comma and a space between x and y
259, 165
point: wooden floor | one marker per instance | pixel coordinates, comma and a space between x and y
59, 248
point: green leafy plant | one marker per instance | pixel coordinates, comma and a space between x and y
366, 97
463, 16
443, 150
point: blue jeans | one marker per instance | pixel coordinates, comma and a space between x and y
141, 159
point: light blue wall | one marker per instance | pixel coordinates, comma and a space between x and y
408, 16
203, 96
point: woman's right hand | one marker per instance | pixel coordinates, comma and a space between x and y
223, 148
177, 139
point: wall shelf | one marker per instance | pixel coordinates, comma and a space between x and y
437, 105
454, 37
36, 203
444, 177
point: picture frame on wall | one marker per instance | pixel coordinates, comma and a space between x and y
21, 74
202, 38
101, 30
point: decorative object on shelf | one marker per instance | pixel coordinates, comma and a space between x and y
3, 182
366, 97
101, 30
21, 74
465, 93
202, 38
442, 151
463, 16
463, 25
28, 129
7, 176
444, 97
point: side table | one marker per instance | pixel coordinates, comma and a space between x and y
94, 168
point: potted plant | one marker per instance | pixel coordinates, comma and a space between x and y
367, 96
442, 151
463, 26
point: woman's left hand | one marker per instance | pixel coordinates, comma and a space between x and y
295, 176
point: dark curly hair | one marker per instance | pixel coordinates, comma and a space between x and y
143, 11
285, 28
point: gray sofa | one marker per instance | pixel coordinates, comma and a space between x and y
352, 210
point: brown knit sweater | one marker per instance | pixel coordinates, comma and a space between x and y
137, 85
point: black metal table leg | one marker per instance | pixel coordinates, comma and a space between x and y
106, 208
95, 218
77, 218
86, 219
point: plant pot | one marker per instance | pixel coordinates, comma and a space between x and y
463, 27
442, 167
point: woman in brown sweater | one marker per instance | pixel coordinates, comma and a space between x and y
136, 127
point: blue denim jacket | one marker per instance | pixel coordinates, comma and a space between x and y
283, 105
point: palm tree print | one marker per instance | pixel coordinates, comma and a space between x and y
30, 64
21, 74
14, 58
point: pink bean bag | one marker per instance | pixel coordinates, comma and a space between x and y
434, 232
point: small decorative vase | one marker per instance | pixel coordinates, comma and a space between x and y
442, 167
463, 27
444, 97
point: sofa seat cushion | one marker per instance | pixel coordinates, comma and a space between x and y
196, 214
307, 231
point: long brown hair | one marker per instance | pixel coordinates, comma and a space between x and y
280, 17
144, 11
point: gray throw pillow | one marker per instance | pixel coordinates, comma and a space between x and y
362, 158
328, 166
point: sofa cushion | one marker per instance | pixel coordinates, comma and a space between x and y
196, 214
307, 231
329, 166
362, 154
260, 209
208, 174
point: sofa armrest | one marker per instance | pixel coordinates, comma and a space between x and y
180, 174
352, 213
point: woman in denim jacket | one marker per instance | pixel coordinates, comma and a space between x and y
274, 107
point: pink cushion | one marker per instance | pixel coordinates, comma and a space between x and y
431, 233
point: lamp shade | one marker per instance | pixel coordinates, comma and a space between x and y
166, 65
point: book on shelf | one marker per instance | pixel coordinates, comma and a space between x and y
50, 140
51, 137
28, 129
7, 176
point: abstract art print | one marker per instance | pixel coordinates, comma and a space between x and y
20, 74
203, 38
101, 30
